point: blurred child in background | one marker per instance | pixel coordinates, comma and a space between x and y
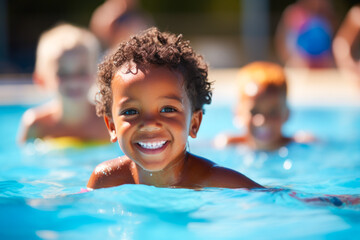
346, 45
116, 20
304, 34
66, 63
262, 108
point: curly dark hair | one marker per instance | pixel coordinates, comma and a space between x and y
161, 49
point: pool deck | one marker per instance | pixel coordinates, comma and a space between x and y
305, 87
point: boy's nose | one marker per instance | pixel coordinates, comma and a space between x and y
150, 123
149, 127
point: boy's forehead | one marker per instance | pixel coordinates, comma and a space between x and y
128, 72
151, 81
128, 67
133, 72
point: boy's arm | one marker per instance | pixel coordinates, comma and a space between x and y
111, 173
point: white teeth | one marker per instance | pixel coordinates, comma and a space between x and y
152, 145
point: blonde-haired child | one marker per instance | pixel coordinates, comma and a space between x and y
66, 61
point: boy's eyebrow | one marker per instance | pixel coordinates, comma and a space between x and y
125, 100
173, 97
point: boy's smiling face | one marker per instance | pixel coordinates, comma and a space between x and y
151, 116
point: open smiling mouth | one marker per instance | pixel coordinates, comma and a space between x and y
152, 147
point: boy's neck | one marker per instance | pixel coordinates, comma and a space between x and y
170, 176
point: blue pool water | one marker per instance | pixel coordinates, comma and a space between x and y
40, 199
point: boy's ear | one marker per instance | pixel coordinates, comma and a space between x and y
195, 123
111, 128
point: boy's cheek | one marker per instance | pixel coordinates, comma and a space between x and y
124, 147
122, 129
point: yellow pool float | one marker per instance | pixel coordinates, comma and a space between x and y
72, 142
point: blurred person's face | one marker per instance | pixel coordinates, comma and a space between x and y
263, 116
151, 116
75, 74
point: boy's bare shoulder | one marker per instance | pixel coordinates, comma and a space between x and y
112, 173
211, 175
228, 178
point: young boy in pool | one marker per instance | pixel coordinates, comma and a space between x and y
262, 108
66, 60
152, 92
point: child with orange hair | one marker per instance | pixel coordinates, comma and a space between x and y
262, 108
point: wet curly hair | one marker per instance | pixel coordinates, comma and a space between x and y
161, 49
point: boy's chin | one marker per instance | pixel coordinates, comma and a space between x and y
152, 167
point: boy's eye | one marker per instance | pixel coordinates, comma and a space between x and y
129, 112
168, 110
